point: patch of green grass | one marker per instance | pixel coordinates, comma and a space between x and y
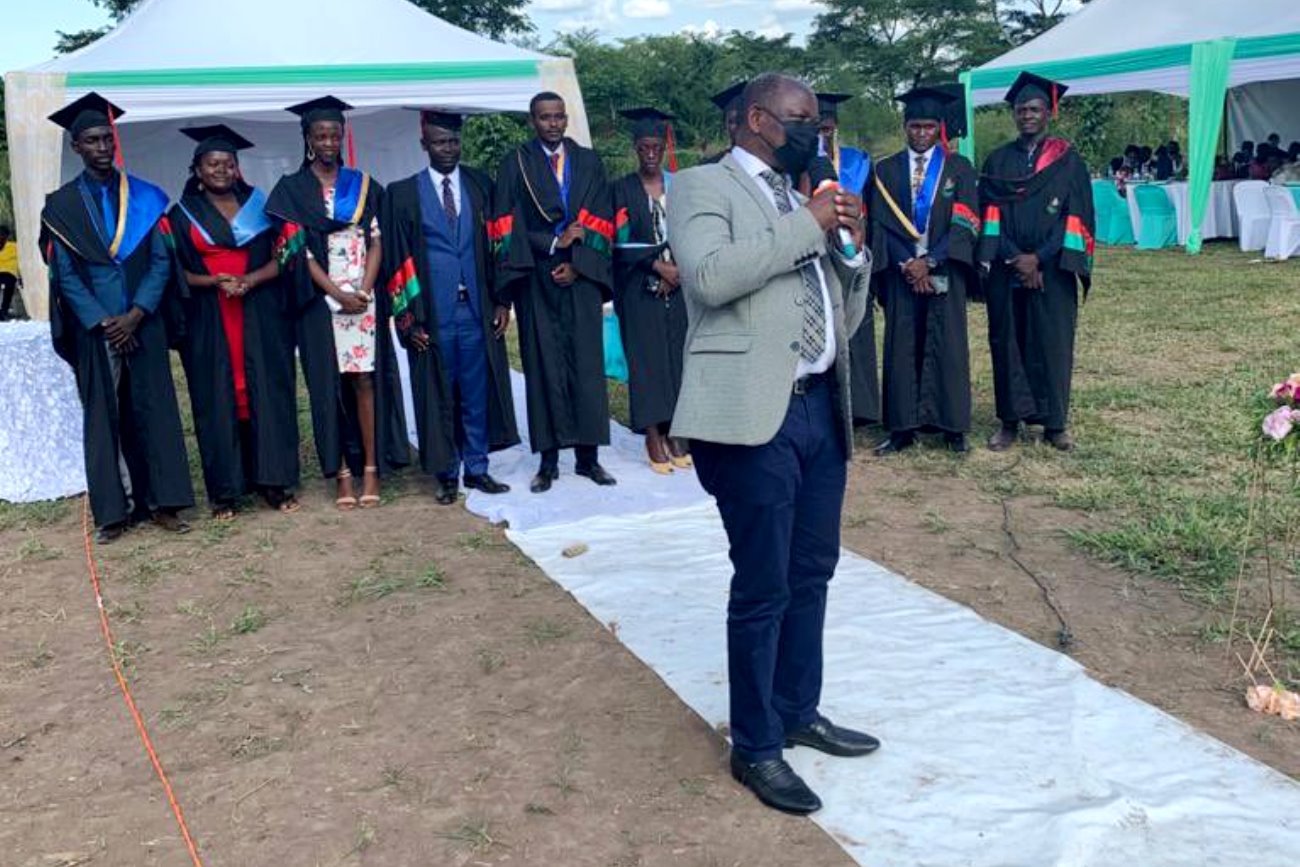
432, 578
33, 516
542, 630
369, 587
489, 659
250, 620
207, 641
473, 834
34, 550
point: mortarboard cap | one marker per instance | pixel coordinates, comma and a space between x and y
647, 122
725, 99
828, 104
925, 103
216, 138
435, 116
1028, 86
89, 111
321, 108
956, 115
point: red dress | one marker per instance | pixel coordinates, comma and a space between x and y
223, 260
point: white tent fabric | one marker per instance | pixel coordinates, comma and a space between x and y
173, 63
1106, 28
1255, 110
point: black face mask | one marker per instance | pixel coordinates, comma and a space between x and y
800, 148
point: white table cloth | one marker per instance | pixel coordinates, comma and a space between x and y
40, 418
1220, 214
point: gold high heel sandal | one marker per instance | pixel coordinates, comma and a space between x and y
345, 504
369, 501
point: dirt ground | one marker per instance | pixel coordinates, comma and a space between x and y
398, 687
402, 687
1137, 634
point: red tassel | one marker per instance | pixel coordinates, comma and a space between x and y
352, 149
1056, 103
943, 135
118, 159
671, 146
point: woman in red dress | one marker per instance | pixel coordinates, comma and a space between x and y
238, 348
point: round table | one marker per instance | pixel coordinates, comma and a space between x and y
40, 426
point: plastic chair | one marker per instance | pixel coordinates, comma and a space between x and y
1114, 225
1159, 227
1253, 215
1284, 227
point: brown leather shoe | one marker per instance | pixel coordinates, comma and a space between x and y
1059, 440
1004, 439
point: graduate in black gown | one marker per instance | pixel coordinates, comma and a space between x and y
553, 237
104, 236
330, 250
438, 276
238, 347
1037, 244
728, 102
647, 292
924, 225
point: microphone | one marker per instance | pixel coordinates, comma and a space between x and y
821, 172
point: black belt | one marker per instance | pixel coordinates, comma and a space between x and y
805, 384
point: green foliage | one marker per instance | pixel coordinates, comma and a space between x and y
486, 139
496, 19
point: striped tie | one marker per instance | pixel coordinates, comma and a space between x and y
813, 342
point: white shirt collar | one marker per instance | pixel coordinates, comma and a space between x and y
453, 176
551, 151
927, 154
753, 166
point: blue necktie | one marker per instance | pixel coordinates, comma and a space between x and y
110, 217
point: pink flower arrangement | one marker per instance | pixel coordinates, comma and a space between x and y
1283, 420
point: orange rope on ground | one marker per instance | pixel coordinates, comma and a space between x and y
126, 690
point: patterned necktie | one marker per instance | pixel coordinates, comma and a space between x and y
555, 165
449, 205
813, 342
918, 176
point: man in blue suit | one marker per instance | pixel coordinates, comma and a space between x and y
436, 253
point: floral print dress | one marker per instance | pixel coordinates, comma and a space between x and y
354, 333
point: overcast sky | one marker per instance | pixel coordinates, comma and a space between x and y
28, 36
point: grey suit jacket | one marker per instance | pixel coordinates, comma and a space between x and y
739, 262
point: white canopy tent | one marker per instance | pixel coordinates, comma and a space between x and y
1193, 48
173, 63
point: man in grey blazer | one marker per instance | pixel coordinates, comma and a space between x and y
772, 301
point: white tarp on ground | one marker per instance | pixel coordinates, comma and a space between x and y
997, 751
174, 63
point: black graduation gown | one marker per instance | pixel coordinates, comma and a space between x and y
272, 457
653, 328
864, 376
1045, 209
561, 328
406, 275
298, 206
926, 375
141, 419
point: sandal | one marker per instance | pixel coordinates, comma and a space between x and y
289, 505
345, 504
370, 501
223, 512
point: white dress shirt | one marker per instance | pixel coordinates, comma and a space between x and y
546, 149
755, 167
438, 177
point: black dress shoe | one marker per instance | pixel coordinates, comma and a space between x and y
956, 443
776, 784
822, 734
448, 492
171, 521
1059, 440
597, 474
111, 533
486, 484
896, 443
541, 482
1005, 438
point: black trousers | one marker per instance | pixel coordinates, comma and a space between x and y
780, 504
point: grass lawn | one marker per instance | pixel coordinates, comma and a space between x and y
1172, 353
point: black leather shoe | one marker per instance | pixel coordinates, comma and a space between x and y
486, 484
896, 443
448, 492
1059, 440
597, 474
541, 482
956, 443
111, 533
1004, 439
822, 734
776, 784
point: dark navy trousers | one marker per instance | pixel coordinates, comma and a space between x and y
780, 504
464, 355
